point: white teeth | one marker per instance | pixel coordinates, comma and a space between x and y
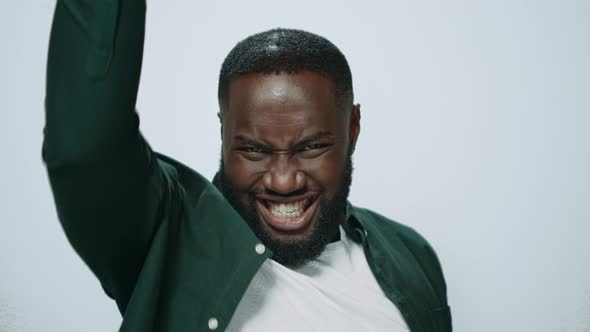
292, 209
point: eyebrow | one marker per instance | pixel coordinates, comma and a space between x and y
248, 141
314, 138
304, 141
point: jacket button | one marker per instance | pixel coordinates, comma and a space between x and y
260, 248
213, 323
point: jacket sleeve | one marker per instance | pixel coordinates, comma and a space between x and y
106, 182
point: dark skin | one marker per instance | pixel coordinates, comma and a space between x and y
286, 137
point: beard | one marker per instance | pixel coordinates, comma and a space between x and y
297, 252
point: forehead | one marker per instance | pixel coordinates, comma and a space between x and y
300, 87
298, 103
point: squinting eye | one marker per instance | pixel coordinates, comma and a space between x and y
251, 149
314, 150
313, 147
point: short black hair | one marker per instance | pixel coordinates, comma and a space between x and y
286, 50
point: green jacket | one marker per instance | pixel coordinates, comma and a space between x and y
162, 240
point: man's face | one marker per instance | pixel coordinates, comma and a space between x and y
286, 160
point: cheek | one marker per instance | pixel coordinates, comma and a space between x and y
327, 171
241, 173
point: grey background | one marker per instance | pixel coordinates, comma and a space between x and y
475, 119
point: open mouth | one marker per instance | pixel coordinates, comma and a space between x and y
288, 216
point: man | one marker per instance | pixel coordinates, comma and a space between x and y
273, 244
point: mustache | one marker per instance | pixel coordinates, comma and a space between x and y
270, 192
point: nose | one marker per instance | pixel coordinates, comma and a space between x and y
283, 177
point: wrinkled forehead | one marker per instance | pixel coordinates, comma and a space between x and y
282, 99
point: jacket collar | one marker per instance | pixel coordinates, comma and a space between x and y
353, 225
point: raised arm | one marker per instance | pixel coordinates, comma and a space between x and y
105, 179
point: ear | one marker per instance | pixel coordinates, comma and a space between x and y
220, 117
354, 126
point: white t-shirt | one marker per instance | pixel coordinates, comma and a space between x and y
335, 292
